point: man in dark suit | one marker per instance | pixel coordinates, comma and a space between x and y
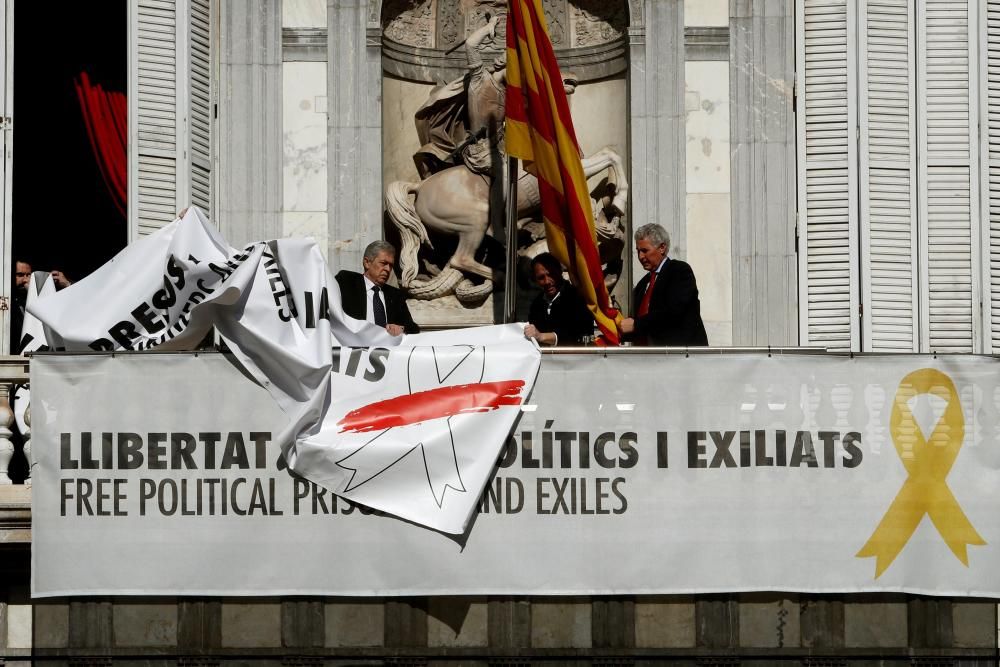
665, 306
366, 296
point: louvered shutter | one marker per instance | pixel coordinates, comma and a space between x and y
949, 199
6, 153
200, 100
888, 179
152, 115
828, 194
990, 60
169, 110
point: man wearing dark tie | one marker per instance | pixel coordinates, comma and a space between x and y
665, 306
366, 296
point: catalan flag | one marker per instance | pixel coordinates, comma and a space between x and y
539, 130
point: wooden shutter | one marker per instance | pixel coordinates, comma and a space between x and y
6, 155
990, 77
828, 194
949, 198
888, 179
169, 110
200, 101
152, 115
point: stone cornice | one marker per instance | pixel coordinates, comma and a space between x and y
425, 65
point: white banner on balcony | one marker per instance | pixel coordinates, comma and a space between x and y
626, 474
425, 397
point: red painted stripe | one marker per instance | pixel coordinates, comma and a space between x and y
515, 104
583, 236
422, 406
551, 66
540, 114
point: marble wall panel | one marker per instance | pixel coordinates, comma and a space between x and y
137, 624
657, 121
251, 624
19, 626
400, 100
709, 248
707, 108
560, 623
51, 625
457, 621
974, 623
600, 115
248, 170
303, 13
304, 136
709, 214
664, 622
769, 620
762, 75
871, 624
304, 152
354, 144
705, 12
355, 622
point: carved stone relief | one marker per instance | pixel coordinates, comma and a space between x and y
450, 23
597, 22
443, 24
411, 22
448, 260
555, 16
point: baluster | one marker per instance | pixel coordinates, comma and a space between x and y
27, 443
6, 446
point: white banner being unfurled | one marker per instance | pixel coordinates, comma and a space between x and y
402, 444
40, 286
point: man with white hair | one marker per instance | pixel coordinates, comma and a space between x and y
368, 296
665, 306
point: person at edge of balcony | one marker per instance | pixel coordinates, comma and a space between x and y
665, 306
366, 296
19, 299
558, 316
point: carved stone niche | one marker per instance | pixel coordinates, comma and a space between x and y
424, 60
422, 39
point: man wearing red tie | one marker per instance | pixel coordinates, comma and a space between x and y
665, 306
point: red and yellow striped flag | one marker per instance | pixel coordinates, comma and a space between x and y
539, 130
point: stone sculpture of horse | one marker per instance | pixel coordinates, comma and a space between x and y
456, 201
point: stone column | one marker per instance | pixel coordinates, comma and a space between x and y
249, 176
762, 144
657, 120
354, 145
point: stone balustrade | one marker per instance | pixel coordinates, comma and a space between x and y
13, 374
15, 499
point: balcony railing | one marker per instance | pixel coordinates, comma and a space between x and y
15, 499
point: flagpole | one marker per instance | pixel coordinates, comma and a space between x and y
510, 280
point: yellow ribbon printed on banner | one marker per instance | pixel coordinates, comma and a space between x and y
927, 461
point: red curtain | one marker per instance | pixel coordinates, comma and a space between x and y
105, 113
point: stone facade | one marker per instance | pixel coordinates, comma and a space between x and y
700, 73
745, 628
